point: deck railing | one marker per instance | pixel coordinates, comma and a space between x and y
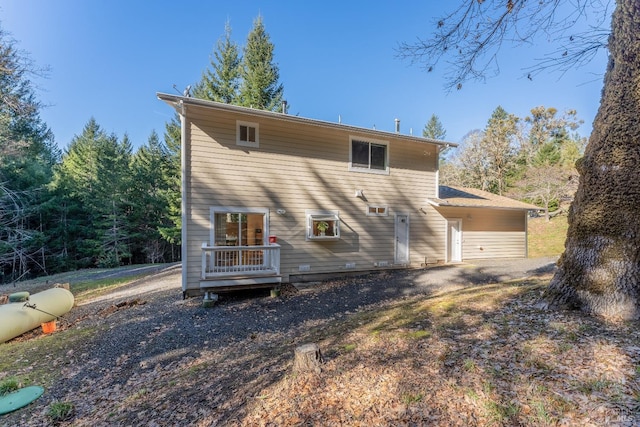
226, 261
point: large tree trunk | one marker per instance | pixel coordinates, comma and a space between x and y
599, 271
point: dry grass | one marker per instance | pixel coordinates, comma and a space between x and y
477, 356
547, 238
481, 356
87, 283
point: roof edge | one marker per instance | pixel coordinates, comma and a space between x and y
468, 195
501, 208
177, 101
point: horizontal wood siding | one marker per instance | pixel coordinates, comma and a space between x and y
493, 244
299, 167
490, 233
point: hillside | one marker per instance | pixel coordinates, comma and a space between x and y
547, 238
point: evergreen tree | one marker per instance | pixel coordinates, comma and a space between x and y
251, 81
65, 225
434, 129
545, 131
499, 148
90, 186
260, 87
221, 82
599, 269
547, 154
486, 159
149, 210
172, 194
27, 155
114, 176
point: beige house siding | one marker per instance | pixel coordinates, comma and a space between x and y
490, 233
298, 167
503, 244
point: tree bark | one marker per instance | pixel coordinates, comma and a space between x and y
599, 271
307, 358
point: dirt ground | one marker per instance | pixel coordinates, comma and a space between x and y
141, 355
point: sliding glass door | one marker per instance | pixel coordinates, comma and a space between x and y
238, 229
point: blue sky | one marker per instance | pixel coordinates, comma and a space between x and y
108, 59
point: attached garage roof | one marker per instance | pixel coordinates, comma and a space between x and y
474, 198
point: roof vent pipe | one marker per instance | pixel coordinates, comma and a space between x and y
284, 107
397, 125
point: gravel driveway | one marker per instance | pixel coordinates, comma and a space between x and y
158, 300
145, 331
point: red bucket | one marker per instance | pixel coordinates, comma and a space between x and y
273, 239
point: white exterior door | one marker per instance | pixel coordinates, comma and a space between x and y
454, 240
402, 239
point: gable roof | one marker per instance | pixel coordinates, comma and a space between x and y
178, 102
474, 198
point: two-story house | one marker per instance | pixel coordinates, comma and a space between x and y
269, 197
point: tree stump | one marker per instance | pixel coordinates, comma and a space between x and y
307, 358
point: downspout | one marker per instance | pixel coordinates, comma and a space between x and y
437, 195
183, 188
526, 234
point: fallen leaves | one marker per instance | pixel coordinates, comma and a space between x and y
477, 356
493, 362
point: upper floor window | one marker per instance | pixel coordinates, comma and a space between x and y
247, 134
369, 156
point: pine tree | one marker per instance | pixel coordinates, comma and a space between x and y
434, 129
27, 155
499, 149
251, 81
221, 82
114, 176
149, 210
90, 186
172, 232
260, 87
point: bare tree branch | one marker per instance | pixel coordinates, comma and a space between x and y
469, 38
579, 51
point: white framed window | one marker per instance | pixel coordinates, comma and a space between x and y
373, 210
368, 155
247, 134
322, 225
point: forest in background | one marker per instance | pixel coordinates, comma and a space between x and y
102, 203
529, 158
